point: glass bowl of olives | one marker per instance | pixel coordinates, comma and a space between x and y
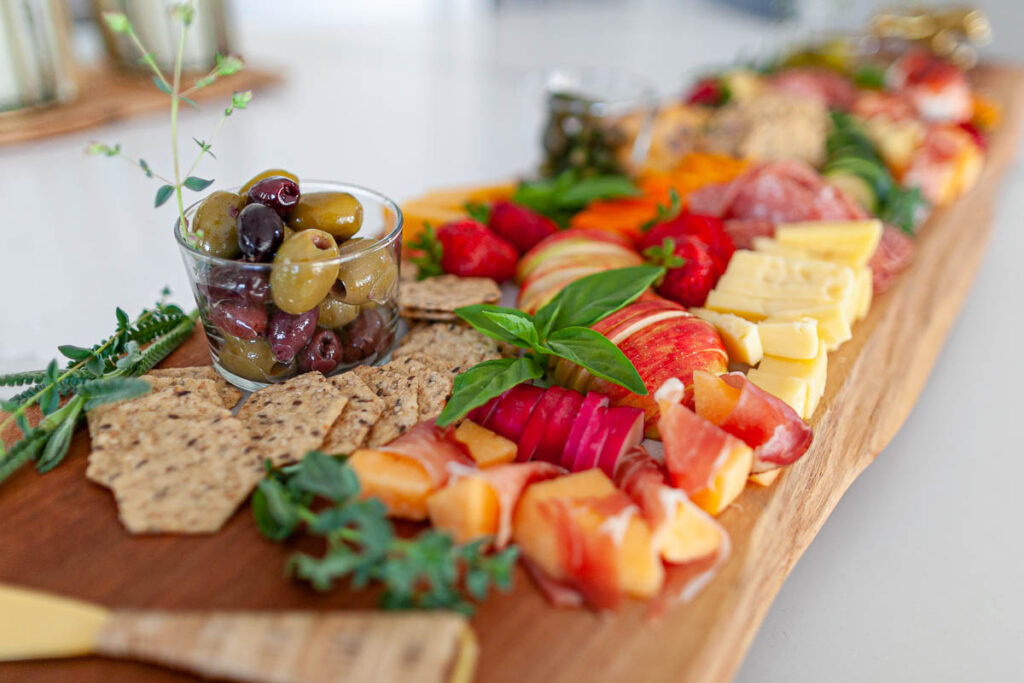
293, 276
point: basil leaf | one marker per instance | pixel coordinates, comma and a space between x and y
503, 324
588, 190
594, 297
484, 381
595, 353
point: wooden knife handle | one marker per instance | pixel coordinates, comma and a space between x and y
298, 646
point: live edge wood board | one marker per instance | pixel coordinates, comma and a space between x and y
60, 533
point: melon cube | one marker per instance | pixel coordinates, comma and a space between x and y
467, 508
484, 446
690, 535
766, 478
727, 483
401, 483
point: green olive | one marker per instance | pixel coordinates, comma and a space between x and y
369, 276
299, 280
269, 173
252, 360
338, 213
335, 313
216, 221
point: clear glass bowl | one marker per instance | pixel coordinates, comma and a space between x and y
355, 321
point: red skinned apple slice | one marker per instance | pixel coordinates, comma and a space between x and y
482, 414
533, 433
591, 442
510, 416
764, 422
588, 419
560, 243
555, 433
625, 430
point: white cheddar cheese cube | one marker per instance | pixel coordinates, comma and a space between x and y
790, 338
741, 338
833, 325
814, 372
792, 390
865, 289
849, 242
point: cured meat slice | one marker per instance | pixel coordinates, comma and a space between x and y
744, 230
432, 447
894, 253
826, 85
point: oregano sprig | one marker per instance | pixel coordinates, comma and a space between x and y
560, 329
428, 571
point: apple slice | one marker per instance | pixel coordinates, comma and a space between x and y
533, 432
510, 416
587, 421
592, 443
481, 414
555, 433
625, 431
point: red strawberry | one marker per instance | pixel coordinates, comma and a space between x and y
519, 225
469, 249
709, 91
691, 270
708, 229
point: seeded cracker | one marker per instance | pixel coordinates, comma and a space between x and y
399, 393
189, 476
362, 411
454, 346
433, 384
436, 298
164, 377
117, 430
287, 420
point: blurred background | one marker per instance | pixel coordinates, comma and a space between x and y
408, 95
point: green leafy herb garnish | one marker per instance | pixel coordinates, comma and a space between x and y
869, 77
429, 571
478, 212
560, 329
562, 197
94, 376
903, 207
428, 262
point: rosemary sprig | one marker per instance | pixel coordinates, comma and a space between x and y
428, 571
172, 86
93, 376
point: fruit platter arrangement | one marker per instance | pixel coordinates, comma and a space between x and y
602, 409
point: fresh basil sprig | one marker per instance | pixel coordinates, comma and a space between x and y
561, 328
559, 198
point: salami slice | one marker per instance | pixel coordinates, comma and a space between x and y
894, 253
833, 89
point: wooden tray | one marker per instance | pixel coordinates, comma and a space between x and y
108, 94
60, 532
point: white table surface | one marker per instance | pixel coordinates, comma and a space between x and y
915, 576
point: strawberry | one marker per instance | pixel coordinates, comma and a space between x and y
710, 91
708, 229
466, 248
691, 271
519, 225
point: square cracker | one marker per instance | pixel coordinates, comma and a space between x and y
436, 298
399, 391
164, 377
188, 476
433, 384
454, 346
363, 410
116, 430
287, 420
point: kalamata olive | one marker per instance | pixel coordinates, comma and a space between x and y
289, 333
338, 213
322, 354
240, 319
278, 193
215, 225
305, 268
260, 232
335, 313
366, 335
368, 276
269, 173
251, 360
235, 282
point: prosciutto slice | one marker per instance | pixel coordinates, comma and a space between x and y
894, 253
432, 447
694, 448
830, 87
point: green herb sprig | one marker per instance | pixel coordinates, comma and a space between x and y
565, 195
429, 571
92, 377
173, 87
560, 329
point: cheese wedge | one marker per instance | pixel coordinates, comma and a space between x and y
768, 245
833, 325
789, 338
850, 242
36, 625
864, 286
792, 390
741, 338
814, 372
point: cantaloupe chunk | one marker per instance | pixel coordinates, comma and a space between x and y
484, 446
691, 535
638, 567
467, 509
765, 478
401, 483
727, 483
713, 398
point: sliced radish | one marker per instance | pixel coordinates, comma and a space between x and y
534, 430
555, 433
588, 421
481, 414
513, 411
625, 431
591, 444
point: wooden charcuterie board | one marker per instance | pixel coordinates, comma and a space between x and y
60, 532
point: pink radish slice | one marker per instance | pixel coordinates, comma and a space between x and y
481, 414
534, 430
592, 443
513, 411
594, 404
625, 426
555, 433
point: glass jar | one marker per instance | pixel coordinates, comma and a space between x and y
341, 311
